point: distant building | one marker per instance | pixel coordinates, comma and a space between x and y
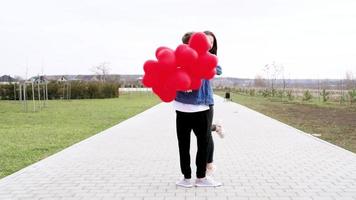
7, 80
39, 79
62, 79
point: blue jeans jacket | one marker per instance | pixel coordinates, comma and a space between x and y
197, 97
203, 96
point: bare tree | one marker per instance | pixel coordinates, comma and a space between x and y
283, 78
259, 81
273, 71
102, 70
267, 69
349, 82
18, 78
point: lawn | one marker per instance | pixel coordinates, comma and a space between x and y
336, 123
26, 138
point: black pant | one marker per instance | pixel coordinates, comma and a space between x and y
199, 123
210, 137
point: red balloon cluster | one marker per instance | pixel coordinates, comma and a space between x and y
180, 70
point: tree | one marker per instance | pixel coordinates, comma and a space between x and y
259, 81
273, 72
325, 95
350, 81
102, 70
352, 96
18, 78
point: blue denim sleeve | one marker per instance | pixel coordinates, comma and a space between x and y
218, 70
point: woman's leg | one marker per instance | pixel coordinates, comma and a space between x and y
210, 137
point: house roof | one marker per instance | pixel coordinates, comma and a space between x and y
7, 78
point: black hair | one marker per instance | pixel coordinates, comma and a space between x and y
186, 37
214, 49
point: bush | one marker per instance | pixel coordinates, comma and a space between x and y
352, 96
343, 99
266, 93
280, 93
307, 96
273, 92
7, 92
290, 95
58, 90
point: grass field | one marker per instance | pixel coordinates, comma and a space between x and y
336, 123
29, 137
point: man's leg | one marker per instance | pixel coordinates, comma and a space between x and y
200, 128
183, 135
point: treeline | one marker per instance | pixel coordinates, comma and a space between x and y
323, 95
63, 90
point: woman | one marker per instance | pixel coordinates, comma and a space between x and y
210, 167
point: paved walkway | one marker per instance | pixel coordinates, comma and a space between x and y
260, 158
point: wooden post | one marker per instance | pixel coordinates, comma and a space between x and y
15, 91
20, 92
44, 95
64, 89
33, 97
70, 91
25, 96
67, 91
39, 95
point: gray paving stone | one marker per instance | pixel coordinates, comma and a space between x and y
260, 158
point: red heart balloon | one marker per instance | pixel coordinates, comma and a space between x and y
159, 49
209, 74
205, 64
207, 61
148, 81
151, 77
150, 66
180, 80
185, 56
195, 83
199, 42
167, 60
164, 93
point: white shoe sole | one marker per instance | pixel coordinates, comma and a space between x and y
185, 186
198, 185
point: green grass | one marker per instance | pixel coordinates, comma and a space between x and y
334, 121
29, 137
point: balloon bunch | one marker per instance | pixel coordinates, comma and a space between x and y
180, 70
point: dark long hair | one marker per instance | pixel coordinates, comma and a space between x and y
214, 49
186, 37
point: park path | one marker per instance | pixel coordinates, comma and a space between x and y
260, 158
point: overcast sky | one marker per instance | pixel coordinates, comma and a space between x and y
310, 38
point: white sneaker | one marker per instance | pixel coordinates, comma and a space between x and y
219, 129
184, 183
207, 182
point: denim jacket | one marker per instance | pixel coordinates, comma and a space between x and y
204, 95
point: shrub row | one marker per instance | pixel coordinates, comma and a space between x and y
64, 90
